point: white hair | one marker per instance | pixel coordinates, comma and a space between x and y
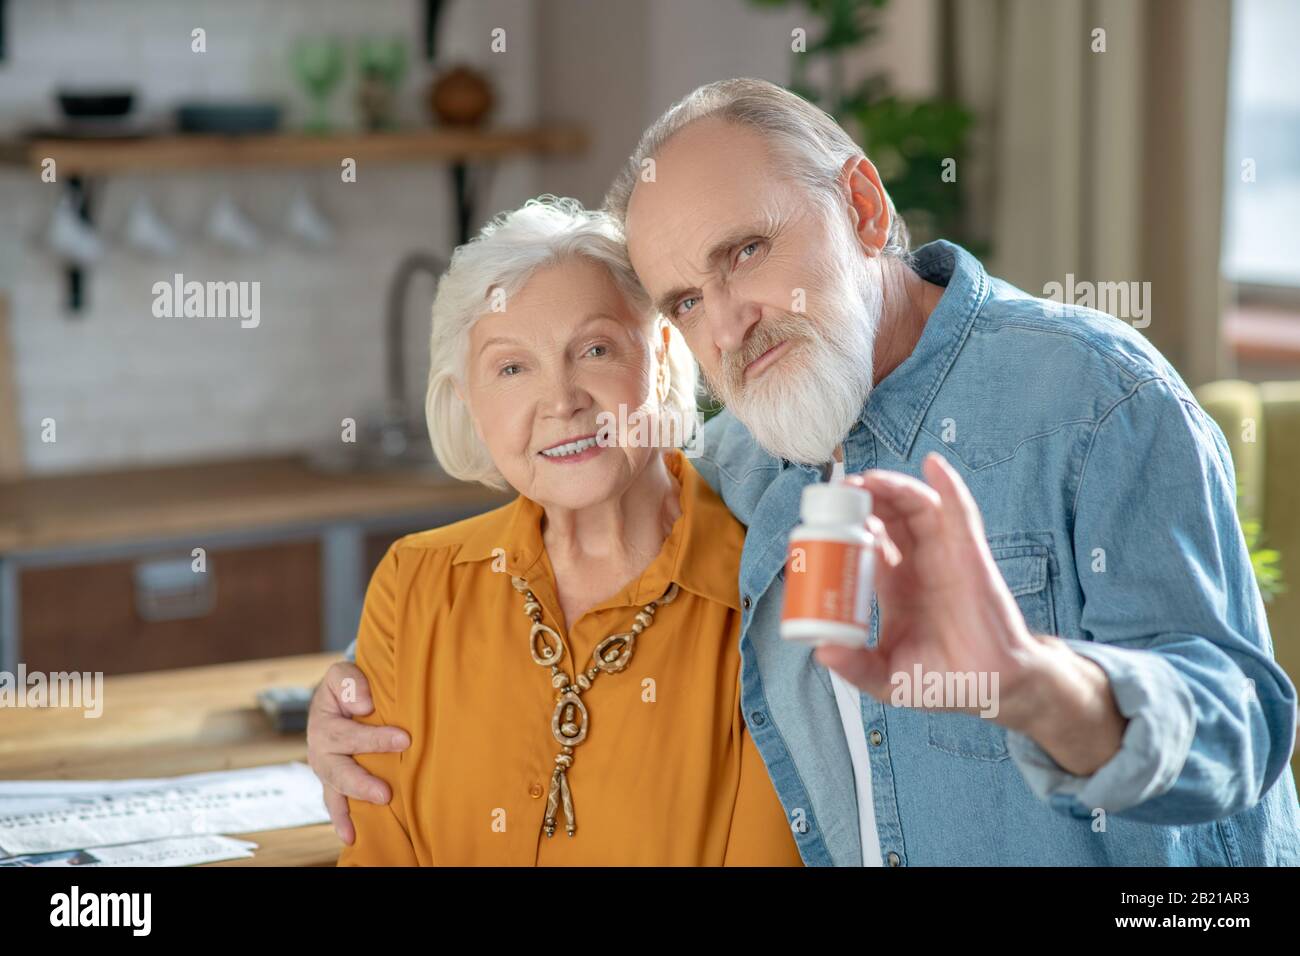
806, 142
503, 256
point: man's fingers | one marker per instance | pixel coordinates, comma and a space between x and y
337, 805
333, 736
909, 508
885, 545
343, 735
350, 779
347, 689
956, 501
864, 669
899, 494
904, 490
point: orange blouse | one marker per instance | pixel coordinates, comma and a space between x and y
667, 775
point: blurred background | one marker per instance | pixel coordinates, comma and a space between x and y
333, 152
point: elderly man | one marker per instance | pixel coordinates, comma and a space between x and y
1074, 537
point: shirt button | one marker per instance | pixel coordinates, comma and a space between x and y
876, 738
535, 791
893, 858
758, 718
746, 602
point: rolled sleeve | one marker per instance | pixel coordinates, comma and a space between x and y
1173, 615
1156, 742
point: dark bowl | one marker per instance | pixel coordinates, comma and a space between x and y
97, 103
229, 118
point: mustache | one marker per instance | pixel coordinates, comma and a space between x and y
773, 330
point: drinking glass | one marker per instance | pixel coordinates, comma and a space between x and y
318, 63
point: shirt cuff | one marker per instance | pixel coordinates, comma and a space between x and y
1153, 750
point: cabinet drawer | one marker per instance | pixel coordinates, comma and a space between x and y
152, 613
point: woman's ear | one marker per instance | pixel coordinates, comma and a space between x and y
460, 393
662, 372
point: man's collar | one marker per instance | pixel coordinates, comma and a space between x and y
897, 406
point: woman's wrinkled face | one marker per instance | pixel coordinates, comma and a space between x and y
559, 352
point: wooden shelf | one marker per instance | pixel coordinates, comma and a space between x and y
78, 160
87, 157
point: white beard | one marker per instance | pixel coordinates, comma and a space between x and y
805, 405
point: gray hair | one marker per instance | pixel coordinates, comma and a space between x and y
543, 232
808, 144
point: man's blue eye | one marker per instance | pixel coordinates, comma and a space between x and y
748, 251
594, 347
683, 307
505, 368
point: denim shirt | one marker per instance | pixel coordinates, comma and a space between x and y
1108, 502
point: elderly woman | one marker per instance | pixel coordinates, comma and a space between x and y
567, 665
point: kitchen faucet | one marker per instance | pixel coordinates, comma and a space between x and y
395, 428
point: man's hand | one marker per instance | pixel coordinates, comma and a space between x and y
944, 605
333, 737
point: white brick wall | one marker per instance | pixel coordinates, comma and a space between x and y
127, 388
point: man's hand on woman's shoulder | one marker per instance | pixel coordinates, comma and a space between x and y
334, 737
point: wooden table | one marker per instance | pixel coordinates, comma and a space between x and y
170, 723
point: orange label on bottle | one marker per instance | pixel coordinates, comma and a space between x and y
828, 581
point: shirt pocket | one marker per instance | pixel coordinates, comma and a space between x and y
1024, 560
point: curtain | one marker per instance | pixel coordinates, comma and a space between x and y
1108, 166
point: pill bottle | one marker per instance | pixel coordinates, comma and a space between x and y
829, 566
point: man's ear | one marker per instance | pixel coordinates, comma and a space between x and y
868, 210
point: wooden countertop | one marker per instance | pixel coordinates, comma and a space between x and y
176, 722
138, 503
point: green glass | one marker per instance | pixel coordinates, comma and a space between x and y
381, 63
382, 57
319, 64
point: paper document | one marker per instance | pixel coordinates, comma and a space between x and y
43, 816
173, 851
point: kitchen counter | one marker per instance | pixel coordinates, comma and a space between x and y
111, 506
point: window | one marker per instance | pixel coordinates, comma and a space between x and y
1261, 245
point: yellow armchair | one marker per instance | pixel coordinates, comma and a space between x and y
1262, 425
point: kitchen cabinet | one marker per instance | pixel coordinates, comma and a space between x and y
102, 572
155, 612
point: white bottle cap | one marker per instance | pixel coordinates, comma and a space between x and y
835, 503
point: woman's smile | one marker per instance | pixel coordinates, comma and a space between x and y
573, 450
